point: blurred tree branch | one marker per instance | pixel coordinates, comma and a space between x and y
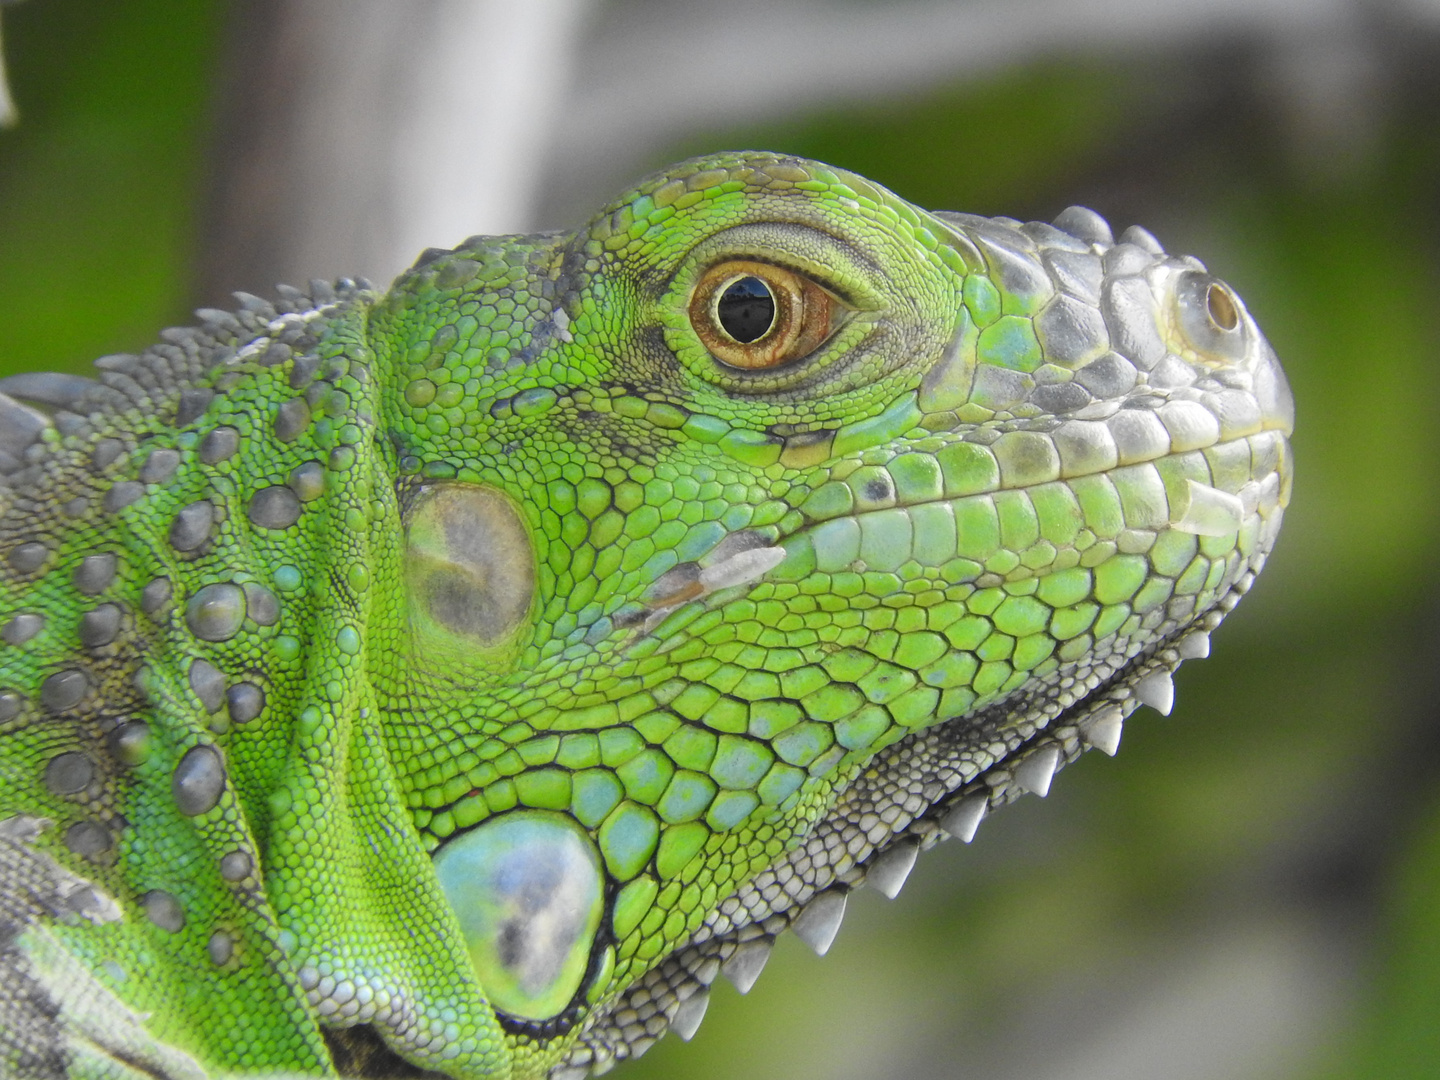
354, 133
9, 114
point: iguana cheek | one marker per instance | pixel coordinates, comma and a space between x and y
469, 571
528, 889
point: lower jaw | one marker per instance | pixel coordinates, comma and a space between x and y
940, 781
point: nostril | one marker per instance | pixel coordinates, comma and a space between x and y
1221, 307
1209, 317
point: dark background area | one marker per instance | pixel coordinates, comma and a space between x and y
1252, 887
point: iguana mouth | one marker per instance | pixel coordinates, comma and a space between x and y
1214, 505
748, 556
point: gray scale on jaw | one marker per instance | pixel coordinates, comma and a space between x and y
95, 573
262, 607
99, 626
276, 507
236, 866
221, 948
105, 453
303, 371
122, 493
192, 525
193, 404
130, 743
216, 612
160, 466
940, 793
164, 910
64, 690
28, 557
245, 701
208, 683
21, 628
155, 595
69, 773
219, 445
308, 481
292, 418
89, 840
198, 780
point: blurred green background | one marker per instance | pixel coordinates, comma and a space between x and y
1260, 870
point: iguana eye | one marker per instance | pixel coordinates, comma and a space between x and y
754, 316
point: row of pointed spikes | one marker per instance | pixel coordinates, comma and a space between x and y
818, 922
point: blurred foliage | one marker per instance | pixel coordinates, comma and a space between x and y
1297, 770
101, 181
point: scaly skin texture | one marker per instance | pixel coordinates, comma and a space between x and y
460, 677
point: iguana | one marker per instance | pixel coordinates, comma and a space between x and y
458, 678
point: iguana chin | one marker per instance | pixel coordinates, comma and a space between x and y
460, 677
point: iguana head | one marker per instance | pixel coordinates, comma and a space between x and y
768, 529
471, 673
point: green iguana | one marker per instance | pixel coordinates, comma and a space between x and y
460, 677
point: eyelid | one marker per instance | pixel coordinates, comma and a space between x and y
844, 270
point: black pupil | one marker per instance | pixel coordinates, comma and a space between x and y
746, 309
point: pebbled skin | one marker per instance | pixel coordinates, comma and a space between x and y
302, 603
